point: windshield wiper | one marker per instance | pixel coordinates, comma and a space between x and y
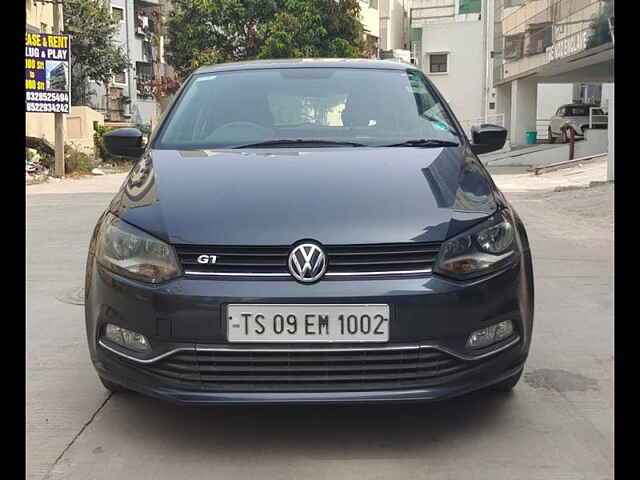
285, 142
424, 143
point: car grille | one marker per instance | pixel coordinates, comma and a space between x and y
342, 260
304, 370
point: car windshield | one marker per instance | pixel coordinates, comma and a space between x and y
337, 107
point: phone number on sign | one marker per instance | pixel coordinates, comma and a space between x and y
47, 97
47, 107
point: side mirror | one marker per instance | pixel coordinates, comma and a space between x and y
487, 138
124, 142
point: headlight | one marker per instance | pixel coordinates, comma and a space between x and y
133, 253
488, 247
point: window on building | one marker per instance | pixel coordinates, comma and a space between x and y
470, 6
120, 78
537, 38
513, 46
438, 62
117, 14
144, 80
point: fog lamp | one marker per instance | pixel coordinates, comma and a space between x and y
127, 338
489, 335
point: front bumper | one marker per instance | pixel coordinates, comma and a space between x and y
187, 313
501, 367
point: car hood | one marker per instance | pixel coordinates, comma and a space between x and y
331, 195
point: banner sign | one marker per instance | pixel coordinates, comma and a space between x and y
47, 76
567, 46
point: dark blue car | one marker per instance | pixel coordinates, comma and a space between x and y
308, 231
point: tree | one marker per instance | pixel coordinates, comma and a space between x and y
600, 32
203, 32
94, 53
315, 28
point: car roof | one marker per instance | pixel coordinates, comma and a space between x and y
307, 62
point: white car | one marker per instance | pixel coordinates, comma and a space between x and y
575, 117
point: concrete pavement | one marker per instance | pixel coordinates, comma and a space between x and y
89, 184
557, 424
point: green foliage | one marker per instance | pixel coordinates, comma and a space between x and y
204, 32
75, 161
600, 32
95, 54
98, 142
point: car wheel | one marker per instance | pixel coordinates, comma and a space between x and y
564, 137
507, 385
112, 387
552, 139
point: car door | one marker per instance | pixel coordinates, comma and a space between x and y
556, 121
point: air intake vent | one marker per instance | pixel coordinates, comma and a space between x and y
226, 369
343, 260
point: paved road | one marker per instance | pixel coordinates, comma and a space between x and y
558, 424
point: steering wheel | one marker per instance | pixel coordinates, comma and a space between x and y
235, 125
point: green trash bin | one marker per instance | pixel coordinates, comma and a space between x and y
532, 137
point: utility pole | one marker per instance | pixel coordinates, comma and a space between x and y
485, 85
58, 118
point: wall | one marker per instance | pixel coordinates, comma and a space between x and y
462, 85
611, 132
607, 96
524, 101
393, 25
489, 25
550, 97
38, 14
41, 125
370, 19
79, 129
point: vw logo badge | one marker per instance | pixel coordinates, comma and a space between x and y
307, 262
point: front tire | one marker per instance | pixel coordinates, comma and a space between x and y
506, 386
112, 387
552, 139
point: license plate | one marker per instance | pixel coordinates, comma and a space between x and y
307, 323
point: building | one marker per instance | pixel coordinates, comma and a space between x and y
370, 17
448, 43
133, 96
537, 43
394, 25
